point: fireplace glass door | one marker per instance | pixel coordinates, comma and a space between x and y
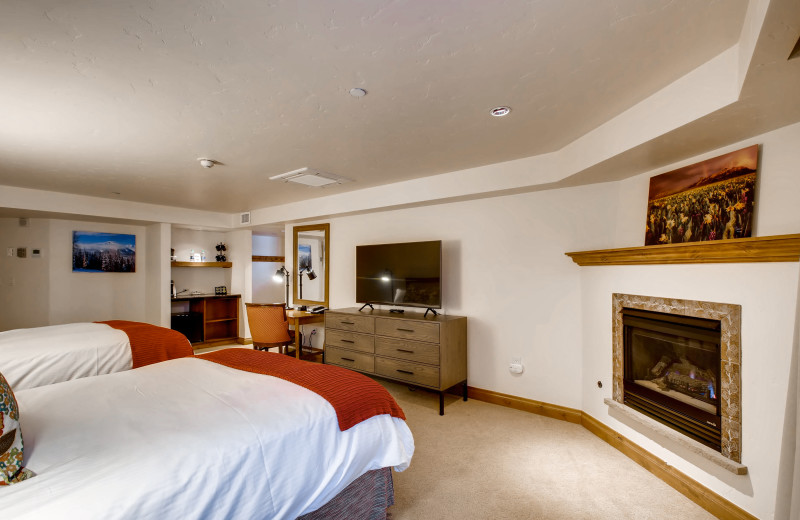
672, 371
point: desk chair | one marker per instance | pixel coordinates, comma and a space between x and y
268, 326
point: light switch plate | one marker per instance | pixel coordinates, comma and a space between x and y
10, 251
36, 253
22, 252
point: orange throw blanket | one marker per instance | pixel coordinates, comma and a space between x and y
354, 396
151, 344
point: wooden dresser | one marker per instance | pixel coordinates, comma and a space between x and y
426, 352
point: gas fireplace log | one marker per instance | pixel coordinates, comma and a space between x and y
659, 367
688, 385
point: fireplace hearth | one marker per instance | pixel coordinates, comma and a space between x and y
672, 371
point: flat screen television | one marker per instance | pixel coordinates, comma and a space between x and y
407, 274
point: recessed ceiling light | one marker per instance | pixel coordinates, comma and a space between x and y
358, 92
500, 111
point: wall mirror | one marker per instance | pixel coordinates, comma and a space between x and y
311, 266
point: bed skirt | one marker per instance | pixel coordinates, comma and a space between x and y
367, 497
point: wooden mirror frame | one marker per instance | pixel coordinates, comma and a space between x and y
326, 228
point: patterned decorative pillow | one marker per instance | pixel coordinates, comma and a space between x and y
11, 469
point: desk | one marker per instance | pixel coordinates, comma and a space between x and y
299, 318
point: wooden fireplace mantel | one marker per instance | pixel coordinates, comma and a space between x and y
777, 248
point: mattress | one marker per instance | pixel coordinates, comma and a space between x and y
189, 438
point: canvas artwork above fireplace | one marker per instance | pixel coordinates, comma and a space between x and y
679, 363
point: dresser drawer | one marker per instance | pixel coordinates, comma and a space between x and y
364, 324
424, 375
350, 359
350, 340
408, 329
408, 350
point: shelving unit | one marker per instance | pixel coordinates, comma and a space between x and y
210, 319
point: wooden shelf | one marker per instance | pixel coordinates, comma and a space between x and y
202, 264
778, 248
260, 258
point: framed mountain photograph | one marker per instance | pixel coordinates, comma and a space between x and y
94, 252
709, 200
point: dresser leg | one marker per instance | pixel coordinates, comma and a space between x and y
441, 403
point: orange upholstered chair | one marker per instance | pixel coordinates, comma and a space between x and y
269, 326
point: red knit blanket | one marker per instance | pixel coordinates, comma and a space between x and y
151, 344
355, 397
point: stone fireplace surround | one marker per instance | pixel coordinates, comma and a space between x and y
729, 316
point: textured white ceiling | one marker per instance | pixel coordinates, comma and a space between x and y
101, 97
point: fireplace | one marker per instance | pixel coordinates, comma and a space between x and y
697, 388
672, 371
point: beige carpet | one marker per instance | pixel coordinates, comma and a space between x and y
485, 461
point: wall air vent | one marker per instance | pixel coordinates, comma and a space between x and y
244, 218
310, 177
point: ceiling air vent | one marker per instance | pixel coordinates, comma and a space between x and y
244, 218
310, 177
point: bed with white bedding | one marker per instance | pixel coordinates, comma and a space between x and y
189, 438
46, 355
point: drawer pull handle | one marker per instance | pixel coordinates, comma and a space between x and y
405, 372
348, 323
405, 330
348, 359
406, 351
347, 341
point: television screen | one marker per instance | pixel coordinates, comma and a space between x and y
407, 274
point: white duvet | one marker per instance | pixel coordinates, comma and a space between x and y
190, 439
46, 355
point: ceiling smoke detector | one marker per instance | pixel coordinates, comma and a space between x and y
310, 177
358, 92
206, 163
500, 111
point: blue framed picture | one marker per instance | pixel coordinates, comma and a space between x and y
94, 252
303, 257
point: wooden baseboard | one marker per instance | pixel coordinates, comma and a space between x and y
244, 341
693, 490
690, 488
528, 405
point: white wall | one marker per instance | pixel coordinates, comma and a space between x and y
265, 289
240, 254
159, 273
24, 282
76, 297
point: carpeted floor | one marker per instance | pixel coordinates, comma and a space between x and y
481, 460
